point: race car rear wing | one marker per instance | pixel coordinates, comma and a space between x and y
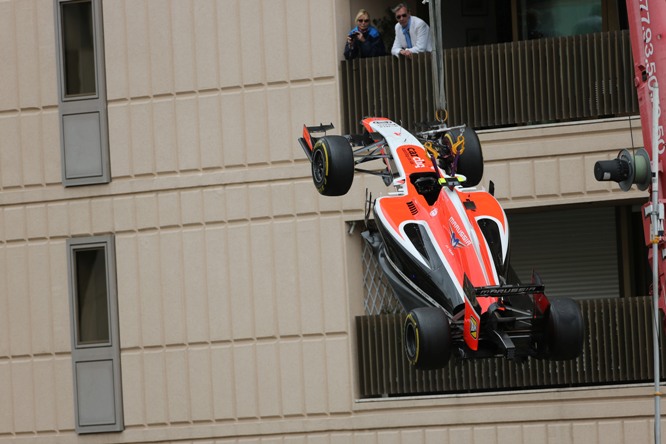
307, 142
472, 313
507, 290
536, 289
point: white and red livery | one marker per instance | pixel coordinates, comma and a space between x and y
443, 245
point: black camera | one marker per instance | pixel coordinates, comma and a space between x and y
353, 35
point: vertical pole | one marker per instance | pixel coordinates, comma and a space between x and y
435, 9
656, 233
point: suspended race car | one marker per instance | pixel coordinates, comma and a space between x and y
443, 245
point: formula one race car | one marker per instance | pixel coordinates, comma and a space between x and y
443, 245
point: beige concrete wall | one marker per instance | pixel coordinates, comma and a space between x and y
235, 283
554, 164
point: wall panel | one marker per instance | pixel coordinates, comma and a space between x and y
262, 280
200, 383
142, 159
150, 294
31, 136
205, 44
10, 151
218, 284
120, 138
209, 130
182, 44
187, 134
194, 283
268, 379
309, 276
245, 377
300, 61
314, 369
249, 40
256, 126
6, 408
155, 387
45, 394
290, 352
9, 97
179, 405
233, 129
223, 391
285, 260
137, 26
132, 375
275, 26
129, 301
27, 45
228, 43
40, 300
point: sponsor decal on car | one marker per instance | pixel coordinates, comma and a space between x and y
413, 157
473, 328
384, 124
459, 238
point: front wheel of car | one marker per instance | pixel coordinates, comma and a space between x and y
470, 162
565, 330
332, 165
427, 338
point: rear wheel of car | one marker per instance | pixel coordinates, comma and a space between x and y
427, 338
470, 162
332, 165
565, 330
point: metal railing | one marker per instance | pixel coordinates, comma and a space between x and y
537, 81
378, 297
617, 350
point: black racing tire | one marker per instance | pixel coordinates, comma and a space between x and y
332, 165
427, 338
470, 162
565, 330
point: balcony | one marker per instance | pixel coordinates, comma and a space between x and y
509, 84
617, 350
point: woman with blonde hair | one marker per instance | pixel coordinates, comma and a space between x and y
364, 40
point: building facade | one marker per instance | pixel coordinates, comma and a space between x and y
168, 273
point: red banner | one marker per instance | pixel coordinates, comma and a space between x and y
647, 26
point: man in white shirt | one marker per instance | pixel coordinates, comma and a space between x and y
412, 35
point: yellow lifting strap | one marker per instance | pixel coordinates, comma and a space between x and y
457, 147
428, 146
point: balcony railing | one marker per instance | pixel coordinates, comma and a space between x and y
617, 350
508, 84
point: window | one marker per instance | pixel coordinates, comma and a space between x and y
82, 92
559, 18
78, 49
95, 336
92, 299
